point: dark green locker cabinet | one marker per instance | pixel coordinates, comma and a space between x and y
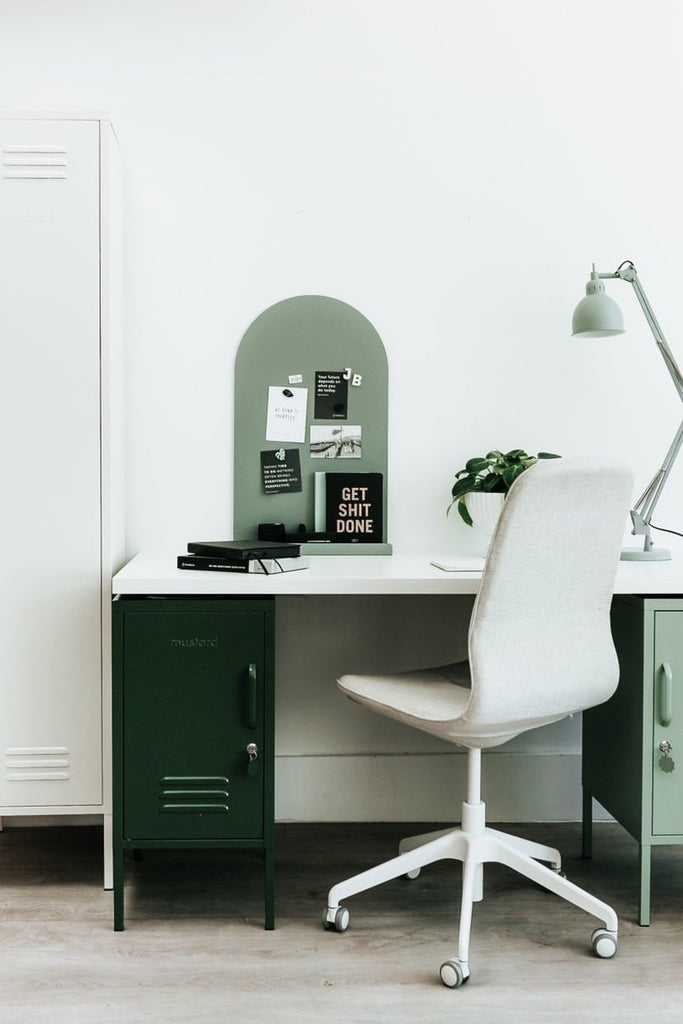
193, 728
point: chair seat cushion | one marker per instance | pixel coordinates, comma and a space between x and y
419, 698
434, 700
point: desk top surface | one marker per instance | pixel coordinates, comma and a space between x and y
400, 573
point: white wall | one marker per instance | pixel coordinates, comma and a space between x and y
449, 168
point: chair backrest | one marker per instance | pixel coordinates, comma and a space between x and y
540, 644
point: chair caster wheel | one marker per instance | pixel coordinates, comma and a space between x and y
454, 974
336, 920
604, 943
410, 875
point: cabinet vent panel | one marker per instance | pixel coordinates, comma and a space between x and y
195, 808
28, 764
194, 780
170, 794
46, 162
193, 794
39, 751
36, 776
37, 762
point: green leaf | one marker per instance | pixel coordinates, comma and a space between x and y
464, 514
548, 455
492, 482
461, 487
476, 465
510, 474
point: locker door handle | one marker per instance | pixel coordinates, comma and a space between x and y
251, 697
665, 708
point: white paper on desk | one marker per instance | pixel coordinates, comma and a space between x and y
461, 563
286, 418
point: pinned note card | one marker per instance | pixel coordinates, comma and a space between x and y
286, 419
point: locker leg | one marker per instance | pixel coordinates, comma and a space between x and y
270, 889
118, 890
645, 857
108, 839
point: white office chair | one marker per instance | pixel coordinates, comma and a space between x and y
540, 649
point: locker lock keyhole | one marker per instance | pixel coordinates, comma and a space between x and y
253, 763
666, 761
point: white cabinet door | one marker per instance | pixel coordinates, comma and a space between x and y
50, 671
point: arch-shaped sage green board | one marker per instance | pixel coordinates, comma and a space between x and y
284, 348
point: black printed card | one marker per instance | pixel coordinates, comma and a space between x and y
281, 470
331, 395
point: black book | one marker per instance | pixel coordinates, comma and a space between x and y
267, 566
244, 550
350, 506
212, 562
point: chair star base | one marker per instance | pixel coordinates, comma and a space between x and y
475, 844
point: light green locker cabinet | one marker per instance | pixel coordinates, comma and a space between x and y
193, 728
633, 744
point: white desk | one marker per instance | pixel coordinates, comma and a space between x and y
156, 573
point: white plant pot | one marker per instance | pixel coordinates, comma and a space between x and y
484, 508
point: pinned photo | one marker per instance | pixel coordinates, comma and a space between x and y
331, 442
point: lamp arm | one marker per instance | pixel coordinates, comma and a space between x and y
641, 513
627, 272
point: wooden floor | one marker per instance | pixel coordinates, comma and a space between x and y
195, 950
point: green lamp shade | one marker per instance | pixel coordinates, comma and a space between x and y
597, 316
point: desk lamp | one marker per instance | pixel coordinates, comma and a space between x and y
598, 316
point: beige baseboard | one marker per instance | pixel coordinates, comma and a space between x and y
407, 787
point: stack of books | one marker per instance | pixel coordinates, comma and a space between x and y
257, 556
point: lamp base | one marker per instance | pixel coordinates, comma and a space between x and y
640, 555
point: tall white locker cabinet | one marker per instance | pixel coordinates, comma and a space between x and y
61, 496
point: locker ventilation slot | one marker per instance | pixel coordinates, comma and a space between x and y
46, 162
193, 794
37, 764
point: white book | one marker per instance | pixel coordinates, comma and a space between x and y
271, 566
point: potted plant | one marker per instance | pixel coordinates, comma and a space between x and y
492, 474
